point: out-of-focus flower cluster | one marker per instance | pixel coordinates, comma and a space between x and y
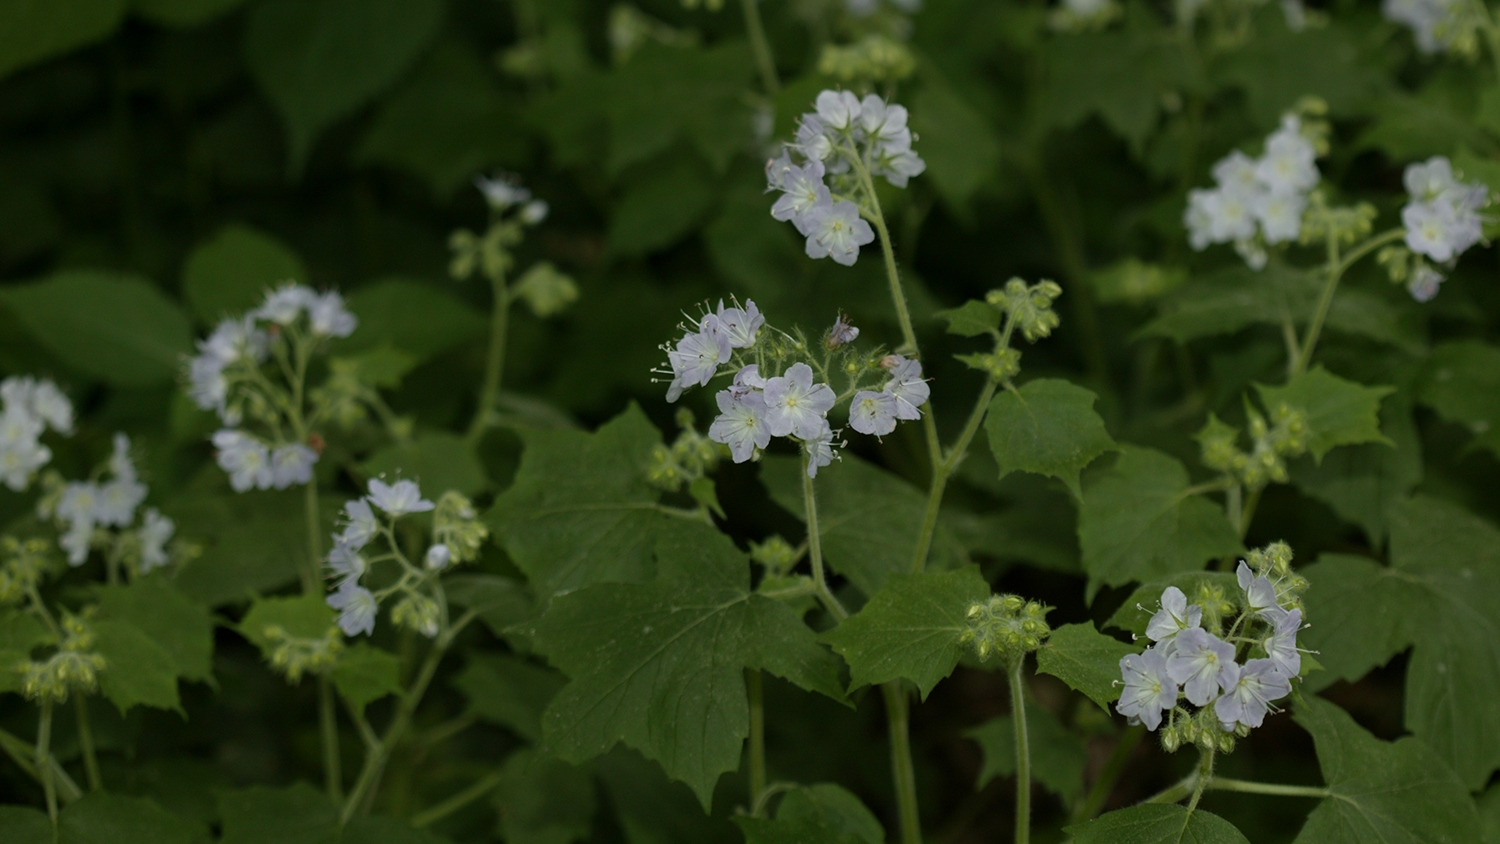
28, 407
101, 514
1439, 25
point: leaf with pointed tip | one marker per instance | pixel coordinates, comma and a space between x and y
971, 319
660, 666
1157, 823
365, 673
229, 273
1087, 660
1047, 427
823, 813
1339, 411
543, 800
1397, 792
1361, 481
509, 691
137, 669
1057, 754
1138, 521
182, 626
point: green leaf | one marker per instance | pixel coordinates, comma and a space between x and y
652, 809
957, 142
136, 337
180, 625
543, 800
869, 518
302, 616
704, 492
22, 825
911, 628
666, 94
1462, 384
971, 319
103, 818
253, 541
229, 273
448, 122
1135, 282
1047, 427
20, 632
1138, 521
369, 829
320, 60
183, 13
1156, 823
297, 814
138, 671
1339, 412
32, 31
825, 813
509, 691
1489, 814
1136, 612
1278, 66
1087, 660
418, 318
365, 674
661, 205
1361, 482
660, 666
1388, 792
1058, 755
499, 601
580, 510
440, 461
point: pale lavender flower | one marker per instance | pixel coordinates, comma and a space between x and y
794, 406
812, 138
328, 316
346, 563
885, 125
156, 531
804, 190
898, 166
245, 458
1281, 645
837, 109
399, 498
292, 465
1260, 595
741, 424
1427, 180
1149, 688
819, 449
362, 525
873, 413
1174, 617
740, 325
437, 557
285, 303
1197, 661
696, 359
357, 606
1249, 692
748, 379
502, 191
908, 387
1424, 283
842, 333
836, 230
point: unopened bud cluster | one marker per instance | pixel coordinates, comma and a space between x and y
1273, 441
74, 667
1345, 224
456, 526
1006, 626
690, 457
294, 656
875, 58
1028, 306
22, 564
776, 554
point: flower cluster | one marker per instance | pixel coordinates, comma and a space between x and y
30, 407
1257, 201
1273, 442
511, 209
1083, 15
1007, 626
1441, 220
74, 666
226, 377
99, 513
846, 141
1438, 24
1236, 678
457, 535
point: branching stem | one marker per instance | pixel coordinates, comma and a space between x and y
494, 367
1023, 754
86, 743
761, 47
481, 787
43, 751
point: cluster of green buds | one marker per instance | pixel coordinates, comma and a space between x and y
456, 525
417, 612
349, 393
776, 555
1273, 441
1083, 17
1345, 225
294, 655
1200, 729
875, 58
23, 562
1028, 306
690, 458
546, 289
1021, 306
1274, 562
74, 666
1006, 626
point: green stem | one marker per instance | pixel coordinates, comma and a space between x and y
1113, 768
311, 582
328, 726
757, 735
815, 548
1273, 789
1205, 773
24, 755
494, 367
943, 470
902, 772
892, 276
1251, 502
1175, 792
761, 47
1336, 268
43, 743
1023, 754
86, 743
482, 786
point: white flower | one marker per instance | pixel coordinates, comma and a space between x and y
873, 413
898, 167
837, 230
534, 212
19, 461
245, 458
908, 387
39, 398
1260, 595
740, 325
1149, 689
741, 424
1447, 226
501, 192
76, 542
120, 464
1174, 617
292, 465
794, 406
803, 190
117, 500
1280, 215
1290, 161
1428, 180
819, 449
79, 503
1197, 661
812, 138
399, 498
1281, 645
1199, 218
1236, 172
358, 608
437, 557
1232, 215
885, 125
362, 526
1249, 691
346, 563
1430, 20
837, 109
696, 359
328, 316
1424, 283
156, 531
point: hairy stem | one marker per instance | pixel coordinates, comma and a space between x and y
757, 735
43, 744
904, 775
481, 787
494, 367
1023, 754
86, 743
761, 47
1113, 768
943, 469
815, 548
1273, 789
1205, 773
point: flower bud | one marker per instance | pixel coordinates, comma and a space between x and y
437, 557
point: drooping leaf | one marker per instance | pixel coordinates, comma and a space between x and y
869, 518
320, 60
417, 318
1048, 427
32, 31
1462, 384
544, 800
1339, 411
1157, 823
1087, 660
104, 818
253, 542
1363, 616
229, 273
660, 666
118, 328
1391, 792
1139, 522
365, 673
1058, 755
659, 206
911, 628
440, 461
971, 319
822, 812
138, 670
652, 809
174, 621
509, 691
580, 510
297, 814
